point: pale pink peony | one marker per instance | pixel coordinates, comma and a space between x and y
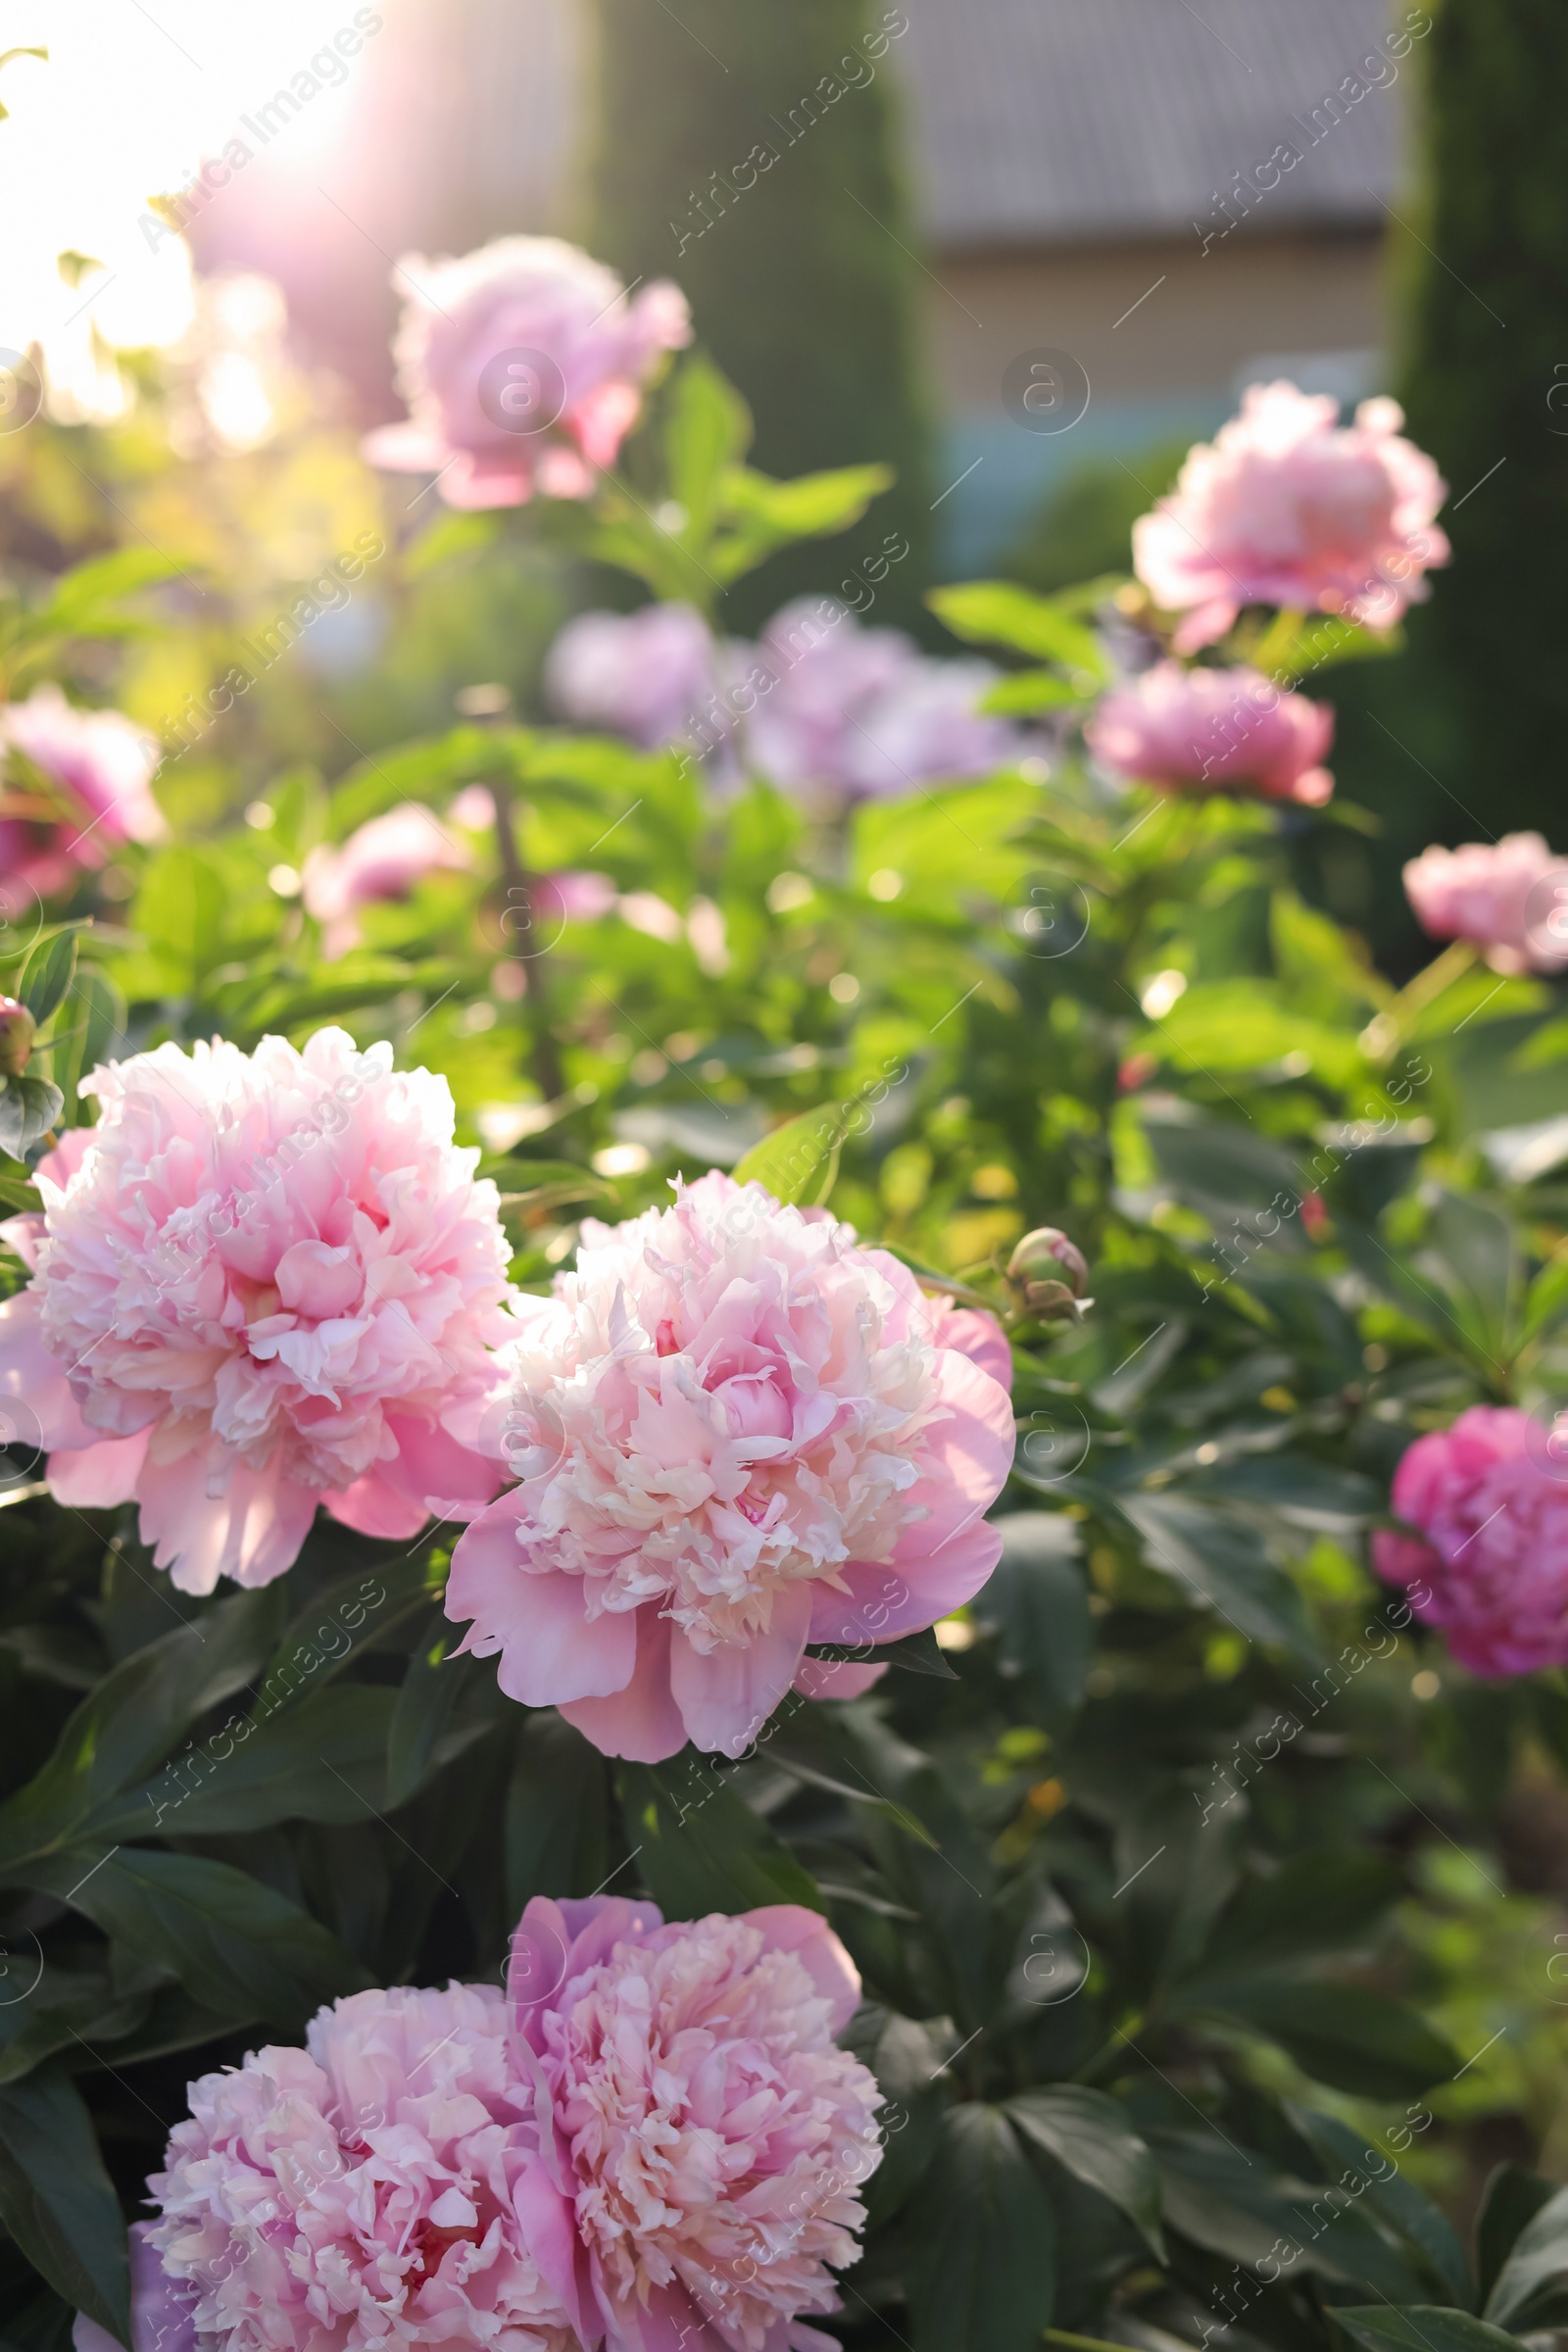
1510, 897
373, 2191
384, 860
1492, 1568
736, 1431
1214, 730
846, 713
96, 769
495, 436
259, 1283
647, 675
1286, 507
710, 2138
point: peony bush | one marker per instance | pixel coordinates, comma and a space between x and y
781, 1468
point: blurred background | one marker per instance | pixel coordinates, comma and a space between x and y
878, 212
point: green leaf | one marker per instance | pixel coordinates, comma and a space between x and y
357, 1611
47, 974
324, 1760
765, 515
1091, 2135
28, 1109
1344, 2034
1039, 1604
131, 1721
1224, 1567
539, 1184
708, 429
1511, 2199
1428, 2236
82, 595
99, 1027
238, 1946
1031, 690
556, 1829
430, 1691
181, 909
982, 2241
59, 2203
798, 1161
1537, 2263
700, 1847
1234, 2204
1319, 1900
996, 613
18, 1195
1419, 2327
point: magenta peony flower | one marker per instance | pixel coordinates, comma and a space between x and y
709, 2139
96, 770
1284, 507
1212, 730
1492, 1568
384, 860
521, 365
1508, 896
857, 714
649, 675
735, 1432
261, 1282
371, 2190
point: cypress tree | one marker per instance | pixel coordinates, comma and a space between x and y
1485, 384
745, 148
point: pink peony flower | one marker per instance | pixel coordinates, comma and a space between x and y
384, 860
521, 365
856, 714
371, 2192
1210, 730
96, 768
261, 1282
709, 2137
648, 675
735, 1432
1492, 1567
1284, 507
1508, 895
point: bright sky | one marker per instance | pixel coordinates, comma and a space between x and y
133, 98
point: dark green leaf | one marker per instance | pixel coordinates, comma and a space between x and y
1428, 2236
1512, 2198
430, 1691
1039, 1604
700, 1847
324, 1760
1317, 1901
557, 1823
982, 2238
59, 2203
1344, 2034
134, 1718
1091, 2135
1537, 2261
1234, 2203
1223, 1566
358, 1610
238, 1947
28, 1108
1420, 2328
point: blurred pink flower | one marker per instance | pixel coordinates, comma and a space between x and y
261, 1282
484, 415
1286, 507
856, 714
97, 768
647, 675
710, 2138
370, 2192
735, 1432
1510, 897
1492, 1568
1212, 730
576, 897
384, 860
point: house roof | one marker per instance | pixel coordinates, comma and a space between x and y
1051, 121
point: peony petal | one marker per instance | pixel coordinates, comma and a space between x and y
728, 1694
162, 2310
842, 1678
36, 1380
642, 1722
95, 1477
377, 1505
550, 1650
791, 1927
251, 1532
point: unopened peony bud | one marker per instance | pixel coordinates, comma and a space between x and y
1046, 1275
15, 1036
